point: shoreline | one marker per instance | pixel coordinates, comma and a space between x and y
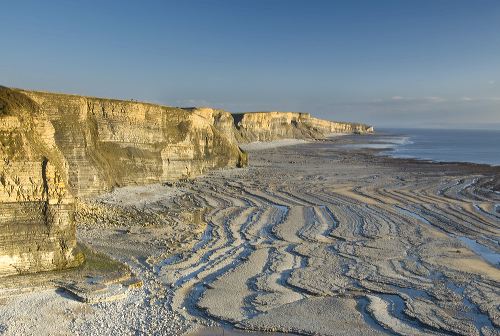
379, 138
379, 153
437, 162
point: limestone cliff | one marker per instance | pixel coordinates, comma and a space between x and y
55, 147
266, 126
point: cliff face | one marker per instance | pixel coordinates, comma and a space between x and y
266, 126
57, 147
221, 119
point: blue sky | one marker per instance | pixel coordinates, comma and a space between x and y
421, 63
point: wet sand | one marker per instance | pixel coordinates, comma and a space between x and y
309, 239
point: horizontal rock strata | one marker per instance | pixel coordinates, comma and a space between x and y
267, 126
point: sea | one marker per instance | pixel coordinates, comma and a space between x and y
441, 145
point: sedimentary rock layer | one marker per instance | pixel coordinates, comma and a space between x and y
56, 147
266, 126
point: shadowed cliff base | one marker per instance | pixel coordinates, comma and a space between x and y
97, 278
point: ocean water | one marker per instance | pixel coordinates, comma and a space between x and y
477, 146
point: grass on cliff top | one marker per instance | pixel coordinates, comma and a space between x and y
10, 100
62, 95
14, 98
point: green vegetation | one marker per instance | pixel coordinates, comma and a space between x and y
100, 264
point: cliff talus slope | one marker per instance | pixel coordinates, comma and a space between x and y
56, 147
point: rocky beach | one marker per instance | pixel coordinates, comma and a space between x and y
250, 168
312, 238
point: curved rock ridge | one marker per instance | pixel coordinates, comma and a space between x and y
266, 126
55, 147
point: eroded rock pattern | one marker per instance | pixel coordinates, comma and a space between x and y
309, 238
314, 239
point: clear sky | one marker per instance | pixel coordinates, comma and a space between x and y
420, 63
